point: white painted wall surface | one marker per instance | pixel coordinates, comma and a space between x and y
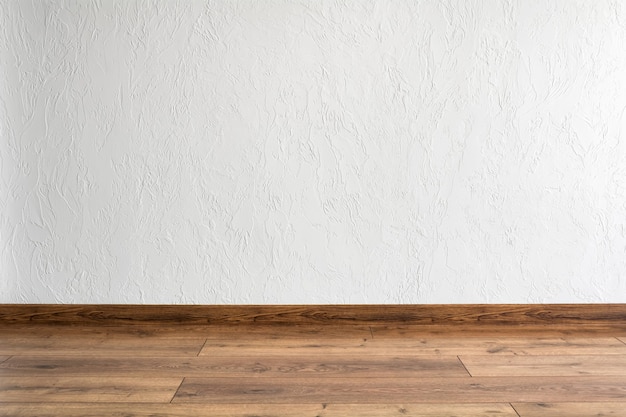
312, 151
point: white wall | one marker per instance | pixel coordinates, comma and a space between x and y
311, 151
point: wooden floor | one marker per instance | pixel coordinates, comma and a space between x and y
310, 371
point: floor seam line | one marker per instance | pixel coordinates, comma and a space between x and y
178, 389
514, 409
202, 347
464, 367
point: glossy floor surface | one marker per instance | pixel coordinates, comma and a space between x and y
310, 371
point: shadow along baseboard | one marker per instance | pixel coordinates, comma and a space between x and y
467, 315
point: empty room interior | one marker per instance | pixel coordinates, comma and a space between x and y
313, 208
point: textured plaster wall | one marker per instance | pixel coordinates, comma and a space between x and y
312, 151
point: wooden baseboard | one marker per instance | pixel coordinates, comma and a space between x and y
473, 315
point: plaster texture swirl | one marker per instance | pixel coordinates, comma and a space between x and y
371, 151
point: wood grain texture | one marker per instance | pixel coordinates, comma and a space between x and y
448, 346
613, 315
547, 330
571, 409
80, 345
87, 389
553, 365
416, 390
264, 410
489, 345
262, 366
318, 370
316, 347
230, 332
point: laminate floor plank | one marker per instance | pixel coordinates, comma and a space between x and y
83, 345
232, 332
451, 346
87, 389
574, 365
573, 409
499, 346
312, 346
415, 390
288, 332
419, 331
235, 367
264, 410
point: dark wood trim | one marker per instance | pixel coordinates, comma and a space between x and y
535, 315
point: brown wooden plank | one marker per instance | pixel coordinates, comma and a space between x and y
396, 390
547, 330
83, 345
187, 331
592, 409
301, 331
262, 367
318, 347
265, 410
87, 389
552, 365
490, 345
265, 332
449, 346
444, 314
